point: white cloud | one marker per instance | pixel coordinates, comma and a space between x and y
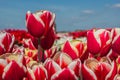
116, 5
88, 11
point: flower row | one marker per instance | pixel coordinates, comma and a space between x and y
94, 56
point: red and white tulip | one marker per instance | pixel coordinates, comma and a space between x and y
99, 41
98, 70
6, 42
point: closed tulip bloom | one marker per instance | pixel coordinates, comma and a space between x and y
6, 42
39, 23
99, 41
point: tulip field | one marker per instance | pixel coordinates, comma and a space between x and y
41, 53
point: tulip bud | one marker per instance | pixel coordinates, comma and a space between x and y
6, 42
39, 23
99, 41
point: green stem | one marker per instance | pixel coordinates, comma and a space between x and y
40, 52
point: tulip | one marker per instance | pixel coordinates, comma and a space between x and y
65, 74
116, 40
41, 25
98, 70
13, 67
62, 59
75, 48
70, 50
51, 67
37, 72
6, 42
99, 42
14, 71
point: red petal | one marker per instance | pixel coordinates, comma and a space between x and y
102, 70
112, 55
65, 74
7, 41
48, 19
80, 48
88, 73
34, 26
28, 44
51, 67
3, 63
104, 37
113, 72
40, 72
2, 50
92, 43
48, 40
116, 44
76, 67
62, 59
14, 71
67, 48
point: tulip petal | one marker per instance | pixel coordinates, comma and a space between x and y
76, 67
92, 43
34, 26
47, 41
51, 67
48, 20
6, 42
40, 72
30, 74
14, 71
28, 44
87, 73
116, 44
65, 74
113, 72
62, 59
112, 55
102, 70
70, 50
3, 63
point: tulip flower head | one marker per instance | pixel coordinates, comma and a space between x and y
40, 22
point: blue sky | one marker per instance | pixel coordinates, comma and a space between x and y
70, 14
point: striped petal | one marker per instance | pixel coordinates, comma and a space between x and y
62, 59
51, 67
70, 50
14, 71
65, 74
